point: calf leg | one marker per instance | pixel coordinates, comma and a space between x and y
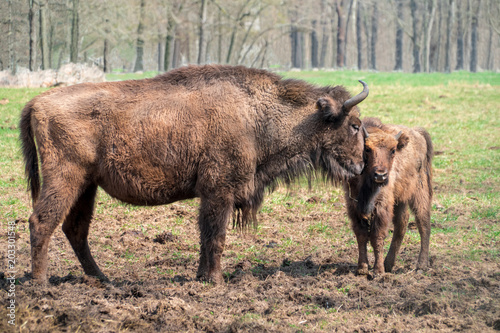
76, 229
378, 233
422, 210
214, 216
400, 221
361, 230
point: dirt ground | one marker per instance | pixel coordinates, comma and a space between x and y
295, 274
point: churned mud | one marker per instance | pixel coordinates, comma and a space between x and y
295, 273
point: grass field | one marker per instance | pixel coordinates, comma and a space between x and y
297, 272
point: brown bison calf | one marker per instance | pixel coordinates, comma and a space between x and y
397, 174
220, 133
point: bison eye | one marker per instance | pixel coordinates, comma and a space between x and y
356, 128
393, 151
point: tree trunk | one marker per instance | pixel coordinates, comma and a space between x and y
460, 37
415, 37
44, 35
436, 59
399, 36
176, 53
314, 46
159, 58
219, 38
74, 33
340, 34
32, 35
139, 61
429, 22
359, 36
348, 19
366, 26
449, 24
489, 62
105, 56
296, 45
11, 41
201, 41
474, 38
324, 35
373, 48
167, 55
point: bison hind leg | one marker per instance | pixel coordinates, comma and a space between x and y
76, 228
422, 210
53, 206
400, 220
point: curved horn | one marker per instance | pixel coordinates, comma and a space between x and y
356, 99
398, 135
366, 133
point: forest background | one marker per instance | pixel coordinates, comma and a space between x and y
157, 35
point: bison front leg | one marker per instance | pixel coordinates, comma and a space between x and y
361, 230
378, 233
214, 216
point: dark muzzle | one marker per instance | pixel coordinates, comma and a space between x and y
380, 177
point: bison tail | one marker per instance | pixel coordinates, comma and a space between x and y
29, 152
428, 159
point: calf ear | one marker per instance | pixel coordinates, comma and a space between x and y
329, 108
403, 140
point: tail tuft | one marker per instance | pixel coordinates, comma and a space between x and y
29, 152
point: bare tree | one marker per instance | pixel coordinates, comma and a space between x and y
237, 21
314, 45
201, 41
74, 33
44, 35
415, 37
339, 7
460, 37
12, 38
373, 41
429, 15
474, 38
139, 60
449, 23
359, 35
32, 35
399, 36
324, 35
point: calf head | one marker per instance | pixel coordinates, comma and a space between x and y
342, 141
380, 149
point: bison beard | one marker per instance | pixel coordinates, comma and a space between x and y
219, 133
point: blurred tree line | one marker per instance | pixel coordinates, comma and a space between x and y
138, 35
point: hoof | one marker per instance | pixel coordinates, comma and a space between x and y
211, 278
362, 271
388, 269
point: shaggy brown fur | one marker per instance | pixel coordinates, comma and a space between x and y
397, 174
220, 133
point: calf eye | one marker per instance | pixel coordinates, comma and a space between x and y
393, 151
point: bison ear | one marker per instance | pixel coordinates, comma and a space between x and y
329, 108
403, 140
